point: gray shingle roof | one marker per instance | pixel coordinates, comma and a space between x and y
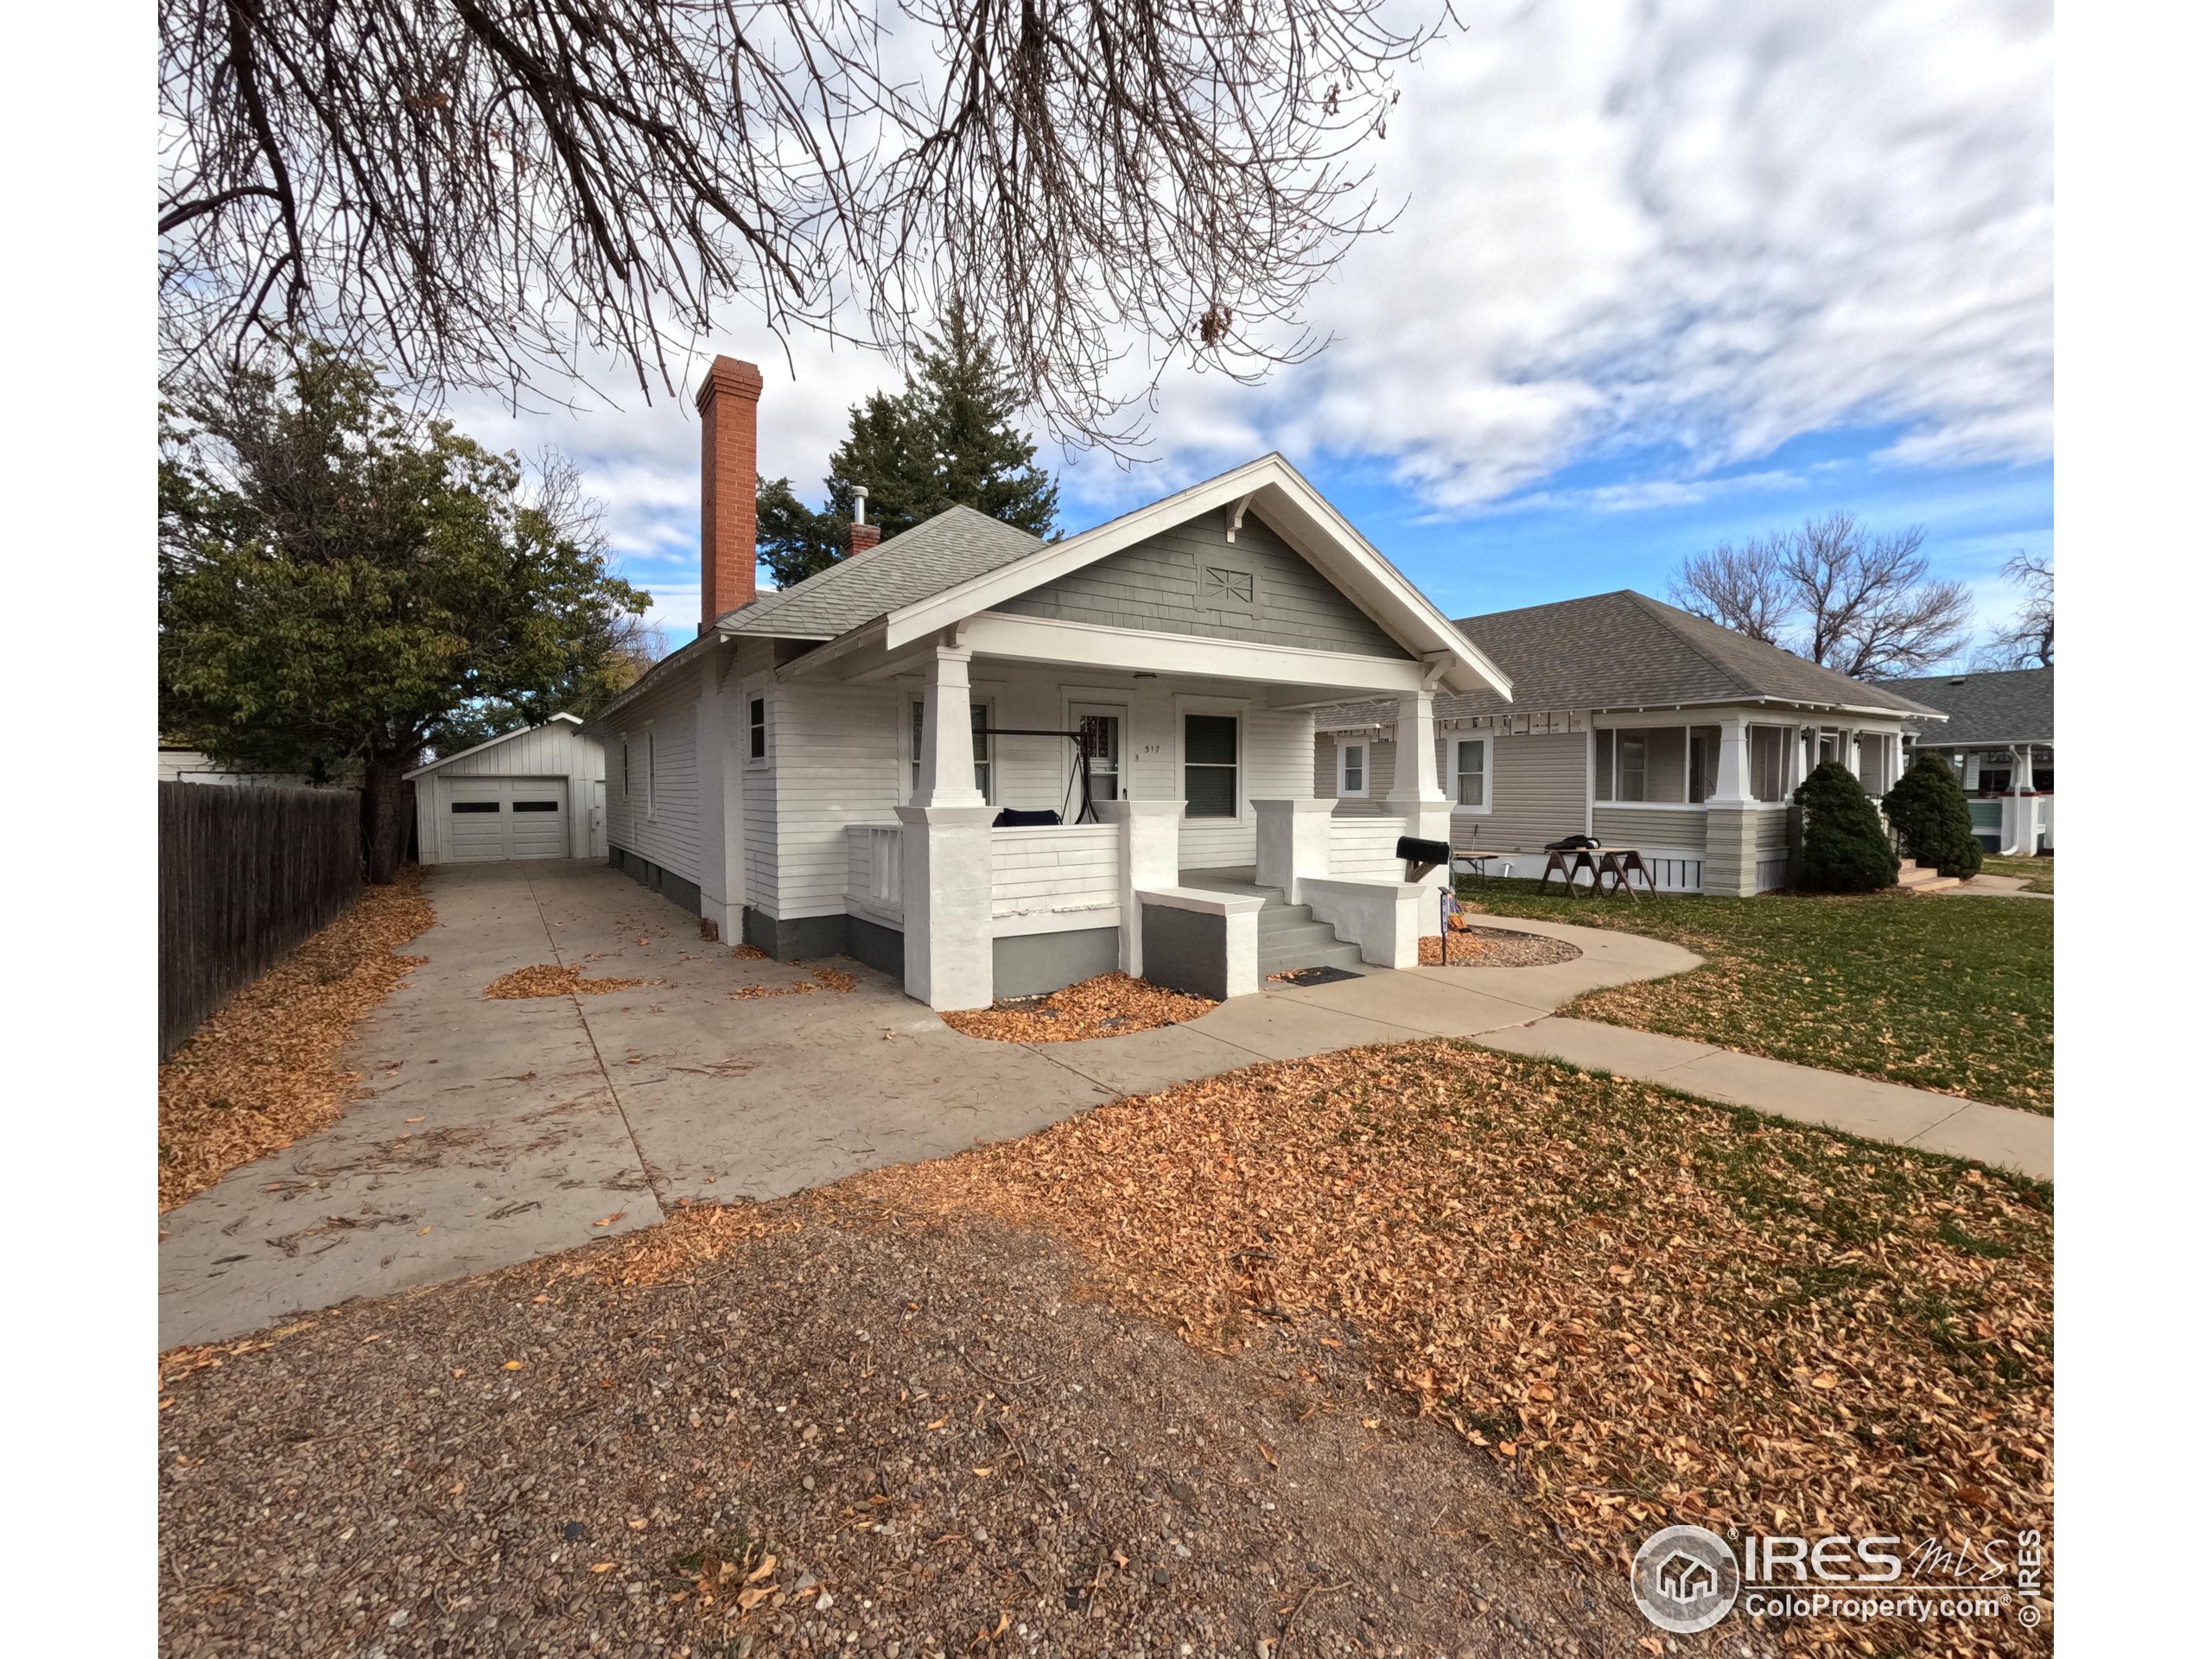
2012, 706
938, 553
1625, 649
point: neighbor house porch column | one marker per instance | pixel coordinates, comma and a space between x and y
1732, 831
1415, 794
945, 850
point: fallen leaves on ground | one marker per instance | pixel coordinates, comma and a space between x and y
1496, 947
824, 979
1112, 1005
553, 979
1660, 1310
264, 1070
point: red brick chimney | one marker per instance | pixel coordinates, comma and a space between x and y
729, 405
864, 535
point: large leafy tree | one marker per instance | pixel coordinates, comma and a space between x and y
948, 439
341, 576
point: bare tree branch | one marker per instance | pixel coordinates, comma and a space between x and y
2031, 639
504, 193
1849, 599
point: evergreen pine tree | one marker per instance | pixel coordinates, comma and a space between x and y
1846, 849
948, 439
1927, 809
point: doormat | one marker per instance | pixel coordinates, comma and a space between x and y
1313, 976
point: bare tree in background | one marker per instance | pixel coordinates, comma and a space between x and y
2031, 639
495, 193
1856, 600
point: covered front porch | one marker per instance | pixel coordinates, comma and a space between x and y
1072, 805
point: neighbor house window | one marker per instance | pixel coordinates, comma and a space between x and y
756, 725
1210, 765
1770, 747
978, 718
1470, 765
1705, 762
1351, 769
1631, 765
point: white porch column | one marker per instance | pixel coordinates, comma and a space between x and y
945, 851
948, 754
1417, 795
1731, 784
1293, 843
722, 801
1152, 834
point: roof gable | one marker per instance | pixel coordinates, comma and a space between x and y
492, 743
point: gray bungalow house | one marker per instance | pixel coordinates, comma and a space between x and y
992, 766
1636, 722
1997, 736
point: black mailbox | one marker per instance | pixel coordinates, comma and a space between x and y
1414, 850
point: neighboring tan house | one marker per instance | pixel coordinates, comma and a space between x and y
1635, 723
1998, 738
538, 791
834, 767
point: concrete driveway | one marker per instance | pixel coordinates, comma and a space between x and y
490, 1132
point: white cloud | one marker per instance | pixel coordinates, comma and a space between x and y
1715, 224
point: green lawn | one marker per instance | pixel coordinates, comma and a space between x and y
1953, 996
2037, 870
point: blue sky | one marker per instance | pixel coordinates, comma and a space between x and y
1664, 275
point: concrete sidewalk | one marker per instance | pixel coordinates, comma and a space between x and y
1838, 1100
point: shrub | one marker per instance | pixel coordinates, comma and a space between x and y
1927, 809
1846, 849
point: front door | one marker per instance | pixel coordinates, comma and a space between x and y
1102, 727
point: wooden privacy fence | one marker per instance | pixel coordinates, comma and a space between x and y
246, 874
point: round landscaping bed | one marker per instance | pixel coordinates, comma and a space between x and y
1496, 947
1112, 1005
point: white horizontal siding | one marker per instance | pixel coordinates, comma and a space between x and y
835, 759
1277, 765
667, 831
1651, 826
1366, 848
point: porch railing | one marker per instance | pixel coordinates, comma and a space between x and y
1366, 848
1058, 866
876, 872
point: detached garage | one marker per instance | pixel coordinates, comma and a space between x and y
539, 792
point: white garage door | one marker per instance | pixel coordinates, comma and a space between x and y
504, 817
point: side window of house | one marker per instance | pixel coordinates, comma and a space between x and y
756, 721
1210, 765
649, 758
1353, 759
625, 765
1473, 771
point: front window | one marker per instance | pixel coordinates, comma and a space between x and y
1472, 768
1210, 765
1352, 764
978, 718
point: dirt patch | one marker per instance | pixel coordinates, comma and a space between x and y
1495, 947
822, 979
1112, 1005
263, 1070
1647, 1309
553, 979
833, 1427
